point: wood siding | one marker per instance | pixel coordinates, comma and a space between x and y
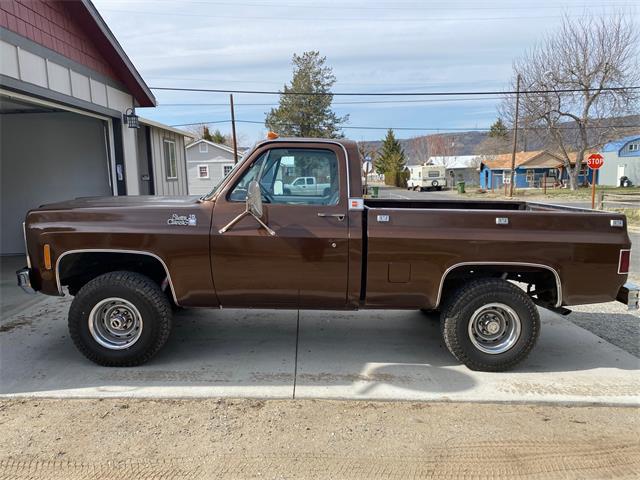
162, 185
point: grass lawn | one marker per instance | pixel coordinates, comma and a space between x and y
582, 194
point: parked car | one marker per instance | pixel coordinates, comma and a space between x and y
427, 177
484, 265
305, 186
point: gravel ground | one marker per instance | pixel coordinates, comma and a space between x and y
285, 439
611, 321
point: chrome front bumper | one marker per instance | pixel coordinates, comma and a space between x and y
629, 294
24, 280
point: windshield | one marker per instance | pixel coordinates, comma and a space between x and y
228, 175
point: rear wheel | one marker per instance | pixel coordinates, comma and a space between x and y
490, 325
120, 319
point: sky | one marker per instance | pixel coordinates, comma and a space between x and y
372, 45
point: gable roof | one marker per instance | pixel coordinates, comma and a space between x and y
503, 161
151, 123
213, 144
617, 145
91, 20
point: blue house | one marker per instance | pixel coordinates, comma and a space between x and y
532, 170
621, 159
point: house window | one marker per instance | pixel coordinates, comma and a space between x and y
170, 160
203, 171
634, 147
227, 169
204, 148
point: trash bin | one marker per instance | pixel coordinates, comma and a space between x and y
374, 191
461, 187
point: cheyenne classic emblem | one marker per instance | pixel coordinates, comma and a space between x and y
183, 220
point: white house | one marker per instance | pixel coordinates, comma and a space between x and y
621, 159
207, 164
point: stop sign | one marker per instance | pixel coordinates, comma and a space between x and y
595, 161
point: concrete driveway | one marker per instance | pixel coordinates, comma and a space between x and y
362, 355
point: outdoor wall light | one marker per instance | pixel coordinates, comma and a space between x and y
131, 118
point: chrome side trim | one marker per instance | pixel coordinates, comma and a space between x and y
510, 264
109, 250
26, 248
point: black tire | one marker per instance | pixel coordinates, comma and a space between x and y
458, 311
141, 292
287, 192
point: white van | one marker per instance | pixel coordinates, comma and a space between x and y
426, 177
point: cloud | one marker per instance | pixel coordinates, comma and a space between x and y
383, 47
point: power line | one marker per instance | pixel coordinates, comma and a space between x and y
435, 129
369, 102
395, 6
395, 94
378, 19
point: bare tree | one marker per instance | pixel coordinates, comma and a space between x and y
591, 55
420, 148
443, 146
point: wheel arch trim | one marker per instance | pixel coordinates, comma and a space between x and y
502, 264
109, 250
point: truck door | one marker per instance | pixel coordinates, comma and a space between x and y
305, 263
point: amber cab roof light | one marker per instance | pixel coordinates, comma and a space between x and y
272, 135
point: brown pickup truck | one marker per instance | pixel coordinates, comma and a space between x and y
253, 242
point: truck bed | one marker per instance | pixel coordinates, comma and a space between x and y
413, 245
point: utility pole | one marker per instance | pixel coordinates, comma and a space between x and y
233, 130
515, 138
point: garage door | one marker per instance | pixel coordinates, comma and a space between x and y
47, 156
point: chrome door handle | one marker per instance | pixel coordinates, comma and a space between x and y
339, 216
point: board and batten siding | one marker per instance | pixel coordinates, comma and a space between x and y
164, 186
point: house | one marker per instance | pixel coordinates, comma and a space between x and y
532, 168
207, 164
162, 156
621, 159
67, 94
460, 168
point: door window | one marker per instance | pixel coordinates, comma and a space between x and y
282, 171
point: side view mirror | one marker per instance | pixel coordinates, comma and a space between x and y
253, 208
254, 199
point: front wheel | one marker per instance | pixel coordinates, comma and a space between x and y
490, 325
120, 319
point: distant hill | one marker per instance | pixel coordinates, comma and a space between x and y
467, 143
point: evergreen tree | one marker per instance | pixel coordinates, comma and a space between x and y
218, 137
498, 129
390, 146
206, 134
391, 160
307, 115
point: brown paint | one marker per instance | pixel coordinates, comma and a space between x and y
406, 257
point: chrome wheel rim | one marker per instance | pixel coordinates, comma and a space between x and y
115, 323
494, 328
